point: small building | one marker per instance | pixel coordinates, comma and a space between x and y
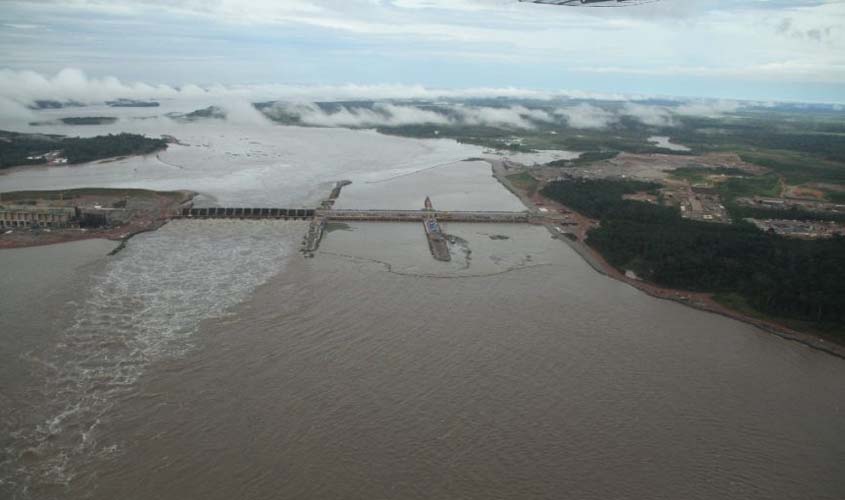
102, 217
35, 217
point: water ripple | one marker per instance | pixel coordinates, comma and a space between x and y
144, 306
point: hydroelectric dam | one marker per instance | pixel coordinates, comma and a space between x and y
332, 215
319, 217
326, 213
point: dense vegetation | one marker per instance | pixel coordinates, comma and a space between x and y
200, 114
798, 169
601, 197
89, 120
80, 150
765, 185
584, 159
52, 104
15, 149
790, 278
799, 131
524, 181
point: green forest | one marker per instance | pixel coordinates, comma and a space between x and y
16, 148
788, 278
89, 120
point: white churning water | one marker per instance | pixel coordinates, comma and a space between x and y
142, 307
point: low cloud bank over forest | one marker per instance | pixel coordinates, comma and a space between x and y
373, 106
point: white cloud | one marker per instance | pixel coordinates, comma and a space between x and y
22, 26
470, 41
19, 89
587, 116
392, 115
379, 115
515, 116
74, 85
707, 108
13, 113
242, 111
656, 116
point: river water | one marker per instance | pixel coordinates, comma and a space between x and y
210, 360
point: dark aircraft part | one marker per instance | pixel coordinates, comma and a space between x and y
592, 3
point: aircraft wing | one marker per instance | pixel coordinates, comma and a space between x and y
587, 3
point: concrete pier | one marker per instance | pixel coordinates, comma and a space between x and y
328, 203
312, 239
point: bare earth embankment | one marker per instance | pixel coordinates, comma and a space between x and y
113, 214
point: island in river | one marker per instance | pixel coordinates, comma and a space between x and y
17, 149
79, 120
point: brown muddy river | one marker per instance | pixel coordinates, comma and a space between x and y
209, 361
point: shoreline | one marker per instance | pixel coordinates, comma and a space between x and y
701, 301
697, 300
46, 166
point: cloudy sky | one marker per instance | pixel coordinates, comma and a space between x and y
732, 49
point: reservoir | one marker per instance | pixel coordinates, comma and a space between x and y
210, 360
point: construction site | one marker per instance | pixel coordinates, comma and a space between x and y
800, 228
29, 218
792, 204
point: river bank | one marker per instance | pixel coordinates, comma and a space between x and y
702, 301
698, 300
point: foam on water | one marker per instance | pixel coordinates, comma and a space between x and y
144, 306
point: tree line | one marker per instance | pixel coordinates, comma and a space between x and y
19, 149
789, 278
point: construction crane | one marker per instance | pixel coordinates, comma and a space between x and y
592, 3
